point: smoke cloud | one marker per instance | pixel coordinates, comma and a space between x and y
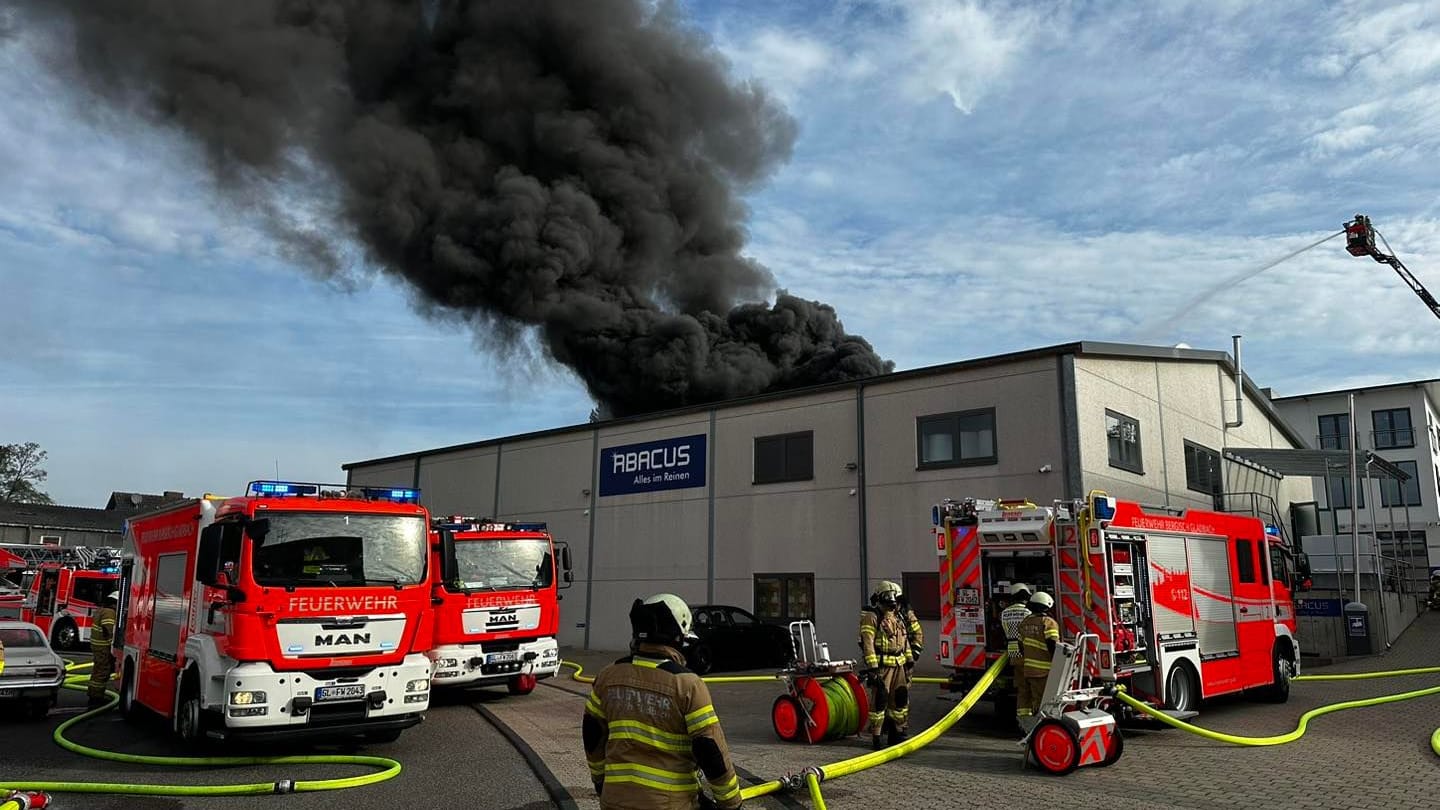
571, 167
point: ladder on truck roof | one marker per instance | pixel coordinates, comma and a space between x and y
34, 556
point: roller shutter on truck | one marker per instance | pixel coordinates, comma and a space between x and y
1174, 606
1213, 595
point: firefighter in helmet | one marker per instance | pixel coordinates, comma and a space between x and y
1039, 635
649, 724
1010, 618
102, 636
885, 646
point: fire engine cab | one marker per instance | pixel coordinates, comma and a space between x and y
296, 610
498, 602
1186, 605
61, 588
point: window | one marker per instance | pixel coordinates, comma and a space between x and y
87, 589
1392, 428
1340, 490
790, 457
958, 439
1264, 569
1279, 566
169, 605
1335, 431
1123, 434
1395, 493
1202, 471
784, 598
740, 618
922, 591
1245, 560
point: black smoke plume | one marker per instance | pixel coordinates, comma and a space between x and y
568, 165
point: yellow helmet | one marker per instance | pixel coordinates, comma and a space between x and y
885, 591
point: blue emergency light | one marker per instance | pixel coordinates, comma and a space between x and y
935, 515
1103, 508
1271, 528
281, 489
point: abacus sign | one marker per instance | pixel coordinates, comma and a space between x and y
656, 466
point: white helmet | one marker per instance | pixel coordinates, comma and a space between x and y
1043, 599
675, 607
885, 590
1019, 588
113, 596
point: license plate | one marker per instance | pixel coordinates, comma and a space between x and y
339, 692
501, 658
7, 693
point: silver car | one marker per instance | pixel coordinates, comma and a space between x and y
33, 672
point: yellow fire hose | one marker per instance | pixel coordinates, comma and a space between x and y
1300, 729
388, 768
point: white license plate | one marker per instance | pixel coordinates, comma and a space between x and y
7, 693
349, 692
502, 658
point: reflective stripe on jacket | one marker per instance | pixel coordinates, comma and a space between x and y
102, 628
884, 640
916, 635
649, 725
1010, 619
1035, 634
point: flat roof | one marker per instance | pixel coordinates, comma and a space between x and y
1317, 463
1431, 387
1130, 351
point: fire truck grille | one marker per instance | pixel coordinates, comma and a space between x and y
322, 714
501, 646
339, 672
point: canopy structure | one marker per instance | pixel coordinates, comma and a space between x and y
1315, 463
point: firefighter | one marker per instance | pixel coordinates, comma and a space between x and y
885, 645
102, 635
1010, 619
314, 555
1039, 635
649, 723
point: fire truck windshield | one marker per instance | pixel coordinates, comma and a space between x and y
337, 549
504, 564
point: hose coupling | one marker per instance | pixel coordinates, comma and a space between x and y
285, 786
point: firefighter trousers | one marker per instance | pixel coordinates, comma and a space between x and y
1032, 692
100, 673
889, 698
1022, 689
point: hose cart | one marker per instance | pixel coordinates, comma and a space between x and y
1070, 730
825, 699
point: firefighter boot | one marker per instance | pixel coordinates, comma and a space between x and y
876, 742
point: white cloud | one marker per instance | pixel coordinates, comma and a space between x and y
786, 62
960, 49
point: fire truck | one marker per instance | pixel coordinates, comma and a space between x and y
1186, 604
297, 610
498, 604
60, 588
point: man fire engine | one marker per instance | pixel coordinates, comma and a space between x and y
499, 602
62, 588
232, 629
1186, 605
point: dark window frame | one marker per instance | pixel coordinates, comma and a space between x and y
1396, 493
1338, 437
1392, 442
1343, 502
925, 582
784, 617
1137, 465
1245, 561
1214, 477
785, 473
954, 418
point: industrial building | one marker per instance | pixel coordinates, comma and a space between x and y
791, 505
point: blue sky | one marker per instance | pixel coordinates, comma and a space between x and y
970, 178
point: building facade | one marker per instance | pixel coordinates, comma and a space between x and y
793, 505
1399, 422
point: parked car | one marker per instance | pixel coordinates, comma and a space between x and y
732, 638
32, 672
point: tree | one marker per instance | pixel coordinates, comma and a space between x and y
21, 473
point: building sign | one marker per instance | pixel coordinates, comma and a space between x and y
653, 466
1317, 607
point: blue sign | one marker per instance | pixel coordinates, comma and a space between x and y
1317, 607
653, 466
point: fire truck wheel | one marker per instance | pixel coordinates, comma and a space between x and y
66, 637
190, 720
1182, 689
1054, 748
129, 708
1279, 691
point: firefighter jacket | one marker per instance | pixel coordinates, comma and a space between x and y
1010, 619
915, 634
1036, 633
648, 726
884, 638
102, 628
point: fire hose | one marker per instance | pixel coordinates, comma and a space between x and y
386, 768
1303, 725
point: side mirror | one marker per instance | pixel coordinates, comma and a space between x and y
257, 529
565, 566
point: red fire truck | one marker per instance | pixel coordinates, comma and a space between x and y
296, 610
1187, 605
499, 602
60, 588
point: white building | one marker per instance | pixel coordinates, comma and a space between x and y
1399, 423
791, 505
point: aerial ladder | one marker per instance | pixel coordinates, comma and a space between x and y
1360, 241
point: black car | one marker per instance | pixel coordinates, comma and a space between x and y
732, 638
